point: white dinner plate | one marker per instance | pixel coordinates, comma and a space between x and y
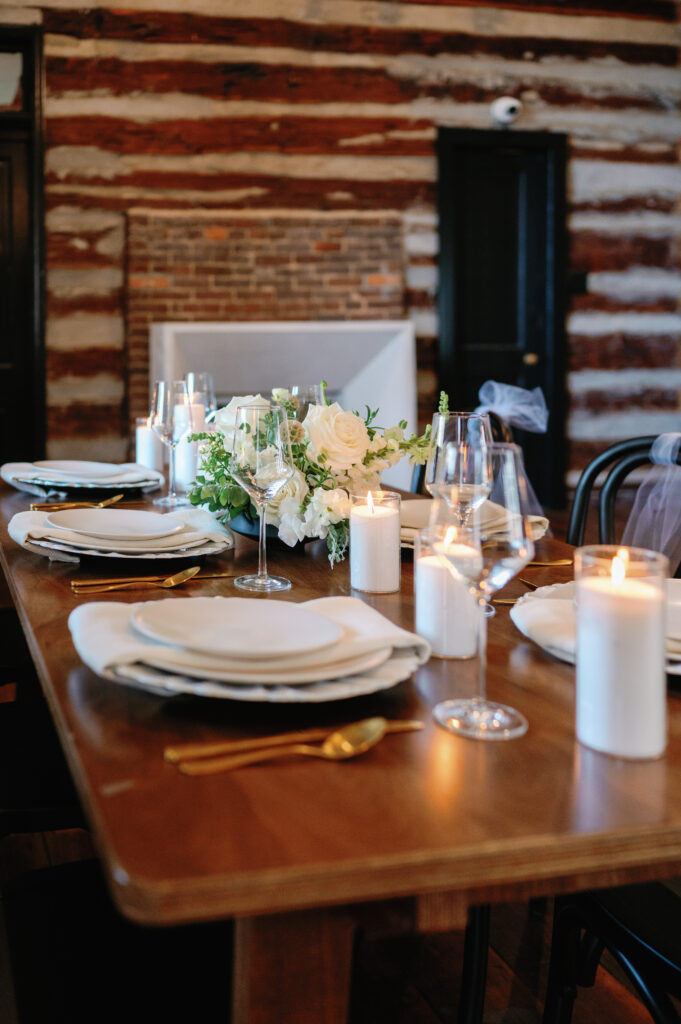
239, 626
82, 470
276, 676
205, 547
115, 523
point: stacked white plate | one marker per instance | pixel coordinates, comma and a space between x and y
75, 474
247, 649
118, 533
547, 617
492, 520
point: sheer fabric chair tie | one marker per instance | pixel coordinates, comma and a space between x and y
655, 518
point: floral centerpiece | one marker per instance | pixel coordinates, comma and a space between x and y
336, 453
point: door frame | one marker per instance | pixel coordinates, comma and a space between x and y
555, 292
26, 126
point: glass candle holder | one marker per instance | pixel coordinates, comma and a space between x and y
148, 445
446, 612
375, 542
621, 703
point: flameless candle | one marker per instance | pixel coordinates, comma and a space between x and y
621, 682
375, 542
148, 445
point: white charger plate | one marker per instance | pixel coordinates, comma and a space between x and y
393, 671
115, 523
76, 467
207, 547
239, 626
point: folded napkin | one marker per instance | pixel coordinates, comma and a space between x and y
21, 475
200, 527
493, 519
105, 638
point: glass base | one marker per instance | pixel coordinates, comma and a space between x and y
480, 719
170, 501
262, 584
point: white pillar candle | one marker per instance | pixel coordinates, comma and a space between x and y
446, 613
375, 542
191, 415
148, 446
621, 682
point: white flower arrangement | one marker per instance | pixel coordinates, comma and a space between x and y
336, 453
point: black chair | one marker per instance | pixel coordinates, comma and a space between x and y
617, 461
638, 925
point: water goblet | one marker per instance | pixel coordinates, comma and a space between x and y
305, 396
473, 428
171, 417
487, 559
203, 383
261, 463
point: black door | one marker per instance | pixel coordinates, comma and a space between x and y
501, 299
22, 404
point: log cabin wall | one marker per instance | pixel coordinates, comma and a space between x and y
177, 140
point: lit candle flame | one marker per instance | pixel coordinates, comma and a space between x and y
370, 502
449, 536
619, 566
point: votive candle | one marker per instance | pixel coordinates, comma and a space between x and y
375, 542
148, 445
446, 612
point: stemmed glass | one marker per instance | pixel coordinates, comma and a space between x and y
306, 395
171, 418
471, 428
203, 383
487, 560
464, 478
261, 463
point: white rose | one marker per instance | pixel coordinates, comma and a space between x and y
225, 418
342, 436
291, 523
288, 498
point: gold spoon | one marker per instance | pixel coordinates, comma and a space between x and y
167, 584
56, 506
347, 742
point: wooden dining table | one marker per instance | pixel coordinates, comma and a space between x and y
302, 853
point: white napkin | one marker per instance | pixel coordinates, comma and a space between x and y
415, 516
130, 473
104, 637
201, 527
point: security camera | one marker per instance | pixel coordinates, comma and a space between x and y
506, 109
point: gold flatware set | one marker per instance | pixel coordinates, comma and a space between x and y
99, 586
338, 745
59, 506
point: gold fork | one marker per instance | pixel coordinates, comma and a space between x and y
167, 584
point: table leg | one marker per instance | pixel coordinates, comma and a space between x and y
293, 967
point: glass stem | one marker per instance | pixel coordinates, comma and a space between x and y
171, 472
482, 649
262, 552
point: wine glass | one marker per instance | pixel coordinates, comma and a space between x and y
171, 417
464, 477
306, 395
261, 463
203, 383
487, 559
473, 428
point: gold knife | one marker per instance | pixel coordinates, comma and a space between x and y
191, 751
84, 584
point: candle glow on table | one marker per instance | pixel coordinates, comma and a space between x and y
375, 542
446, 612
621, 678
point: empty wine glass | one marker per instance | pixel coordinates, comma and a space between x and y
487, 551
261, 463
203, 383
473, 428
464, 478
305, 396
171, 418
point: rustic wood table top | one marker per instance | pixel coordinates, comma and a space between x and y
300, 851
